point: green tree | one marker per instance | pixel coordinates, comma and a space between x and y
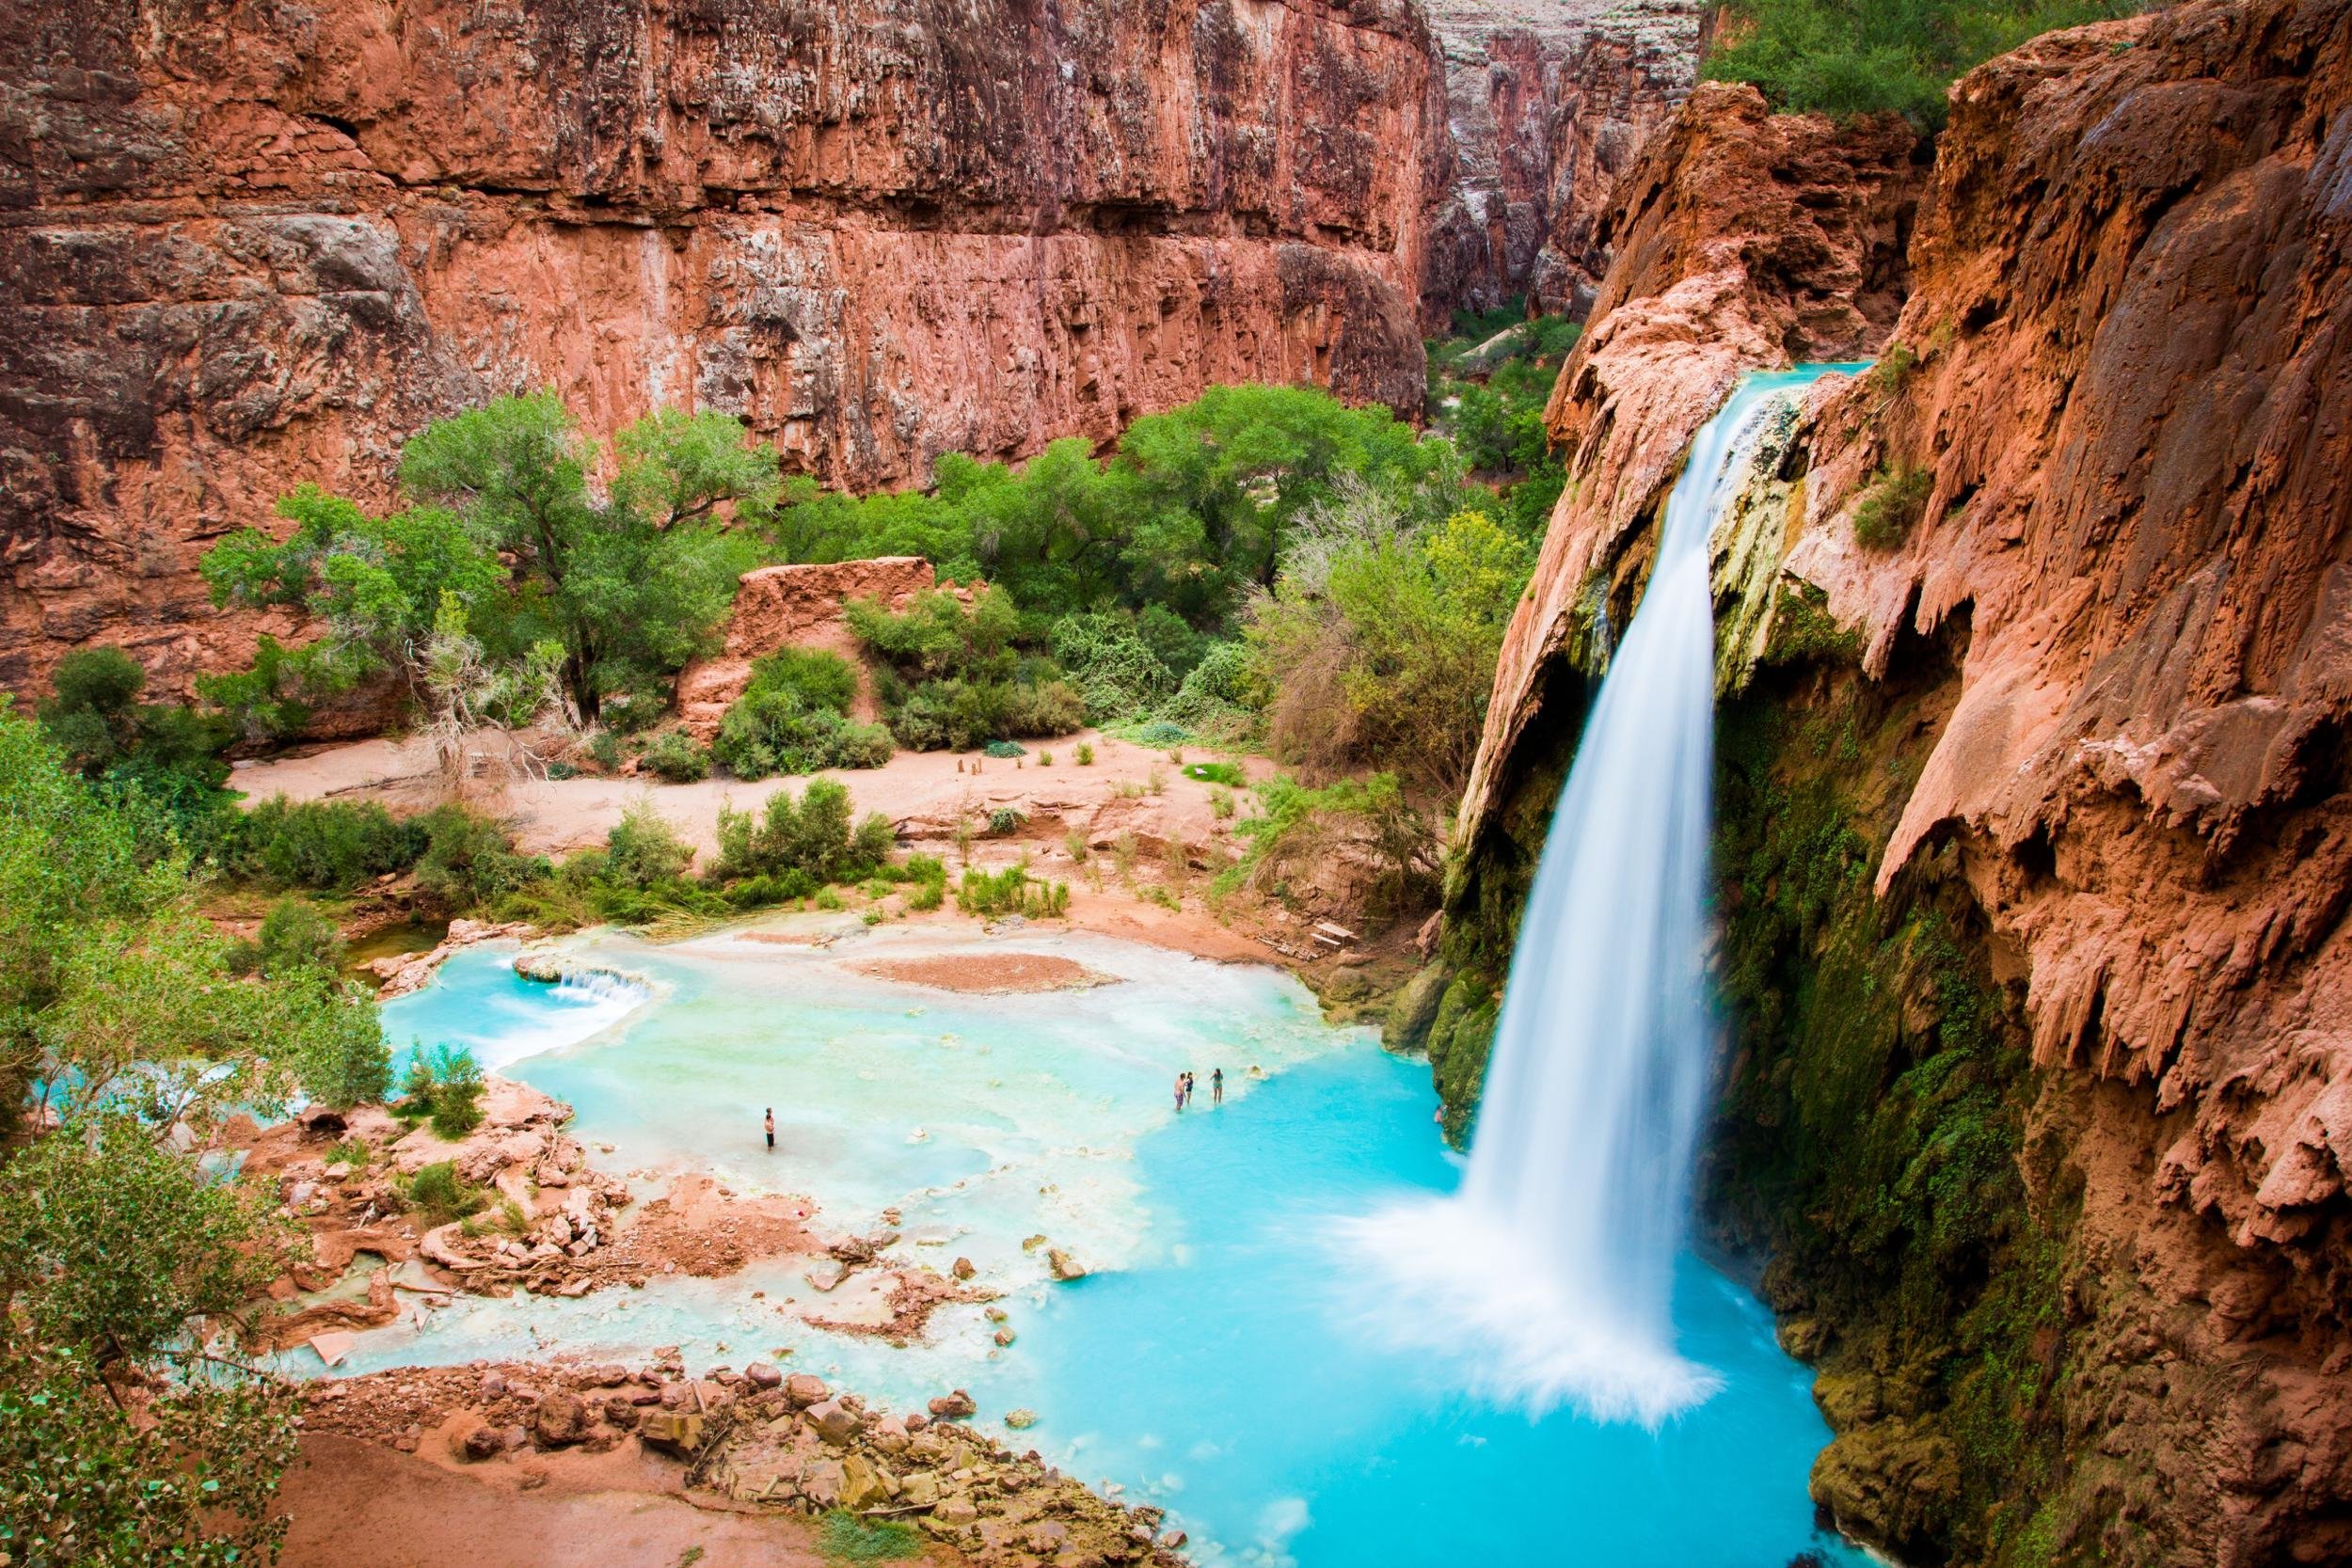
114, 992
96, 716
632, 586
129, 1432
1381, 641
1854, 57
1228, 473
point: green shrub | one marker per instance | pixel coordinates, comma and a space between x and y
1890, 506
1012, 891
96, 718
1045, 759
1005, 749
793, 718
1224, 773
678, 757
604, 749
324, 845
952, 678
440, 1194
1116, 673
1086, 755
1853, 57
812, 835
444, 1085
1006, 821
642, 850
847, 1537
469, 861
1160, 733
294, 935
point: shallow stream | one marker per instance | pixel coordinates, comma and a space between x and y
1227, 1360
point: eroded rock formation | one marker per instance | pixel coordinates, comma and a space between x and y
1744, 239
244, 246
2037, 820
1548, 107
796, 607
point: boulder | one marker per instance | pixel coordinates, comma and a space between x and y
762, 1374
955, 1406
477, 1441
806, 1388
1020, 1420
833, 1421
1062, 1266
677, 1432
561, 1419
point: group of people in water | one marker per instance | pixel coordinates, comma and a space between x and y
1185, 1088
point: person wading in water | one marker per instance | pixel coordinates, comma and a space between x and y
1217, 1087
768, 1123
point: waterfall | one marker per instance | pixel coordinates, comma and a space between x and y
1554, 1263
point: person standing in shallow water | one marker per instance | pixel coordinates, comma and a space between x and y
768, 1124
1179, 1092
1217, 1087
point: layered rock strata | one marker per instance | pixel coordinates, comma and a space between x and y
245, 246
1548, 106
2037, 818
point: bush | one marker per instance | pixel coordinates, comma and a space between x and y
952, 678
1225, 691
678, 757
1086, 755
1162, 733
469, 861
294, 935
847, 1537
793, 718
642, 850
1012, 891
324, 845
440, 1194
1005, 749
1224, 773
1116, 672
1005, 821
1853, 57
96, 718
445, 1084
812, 835
1890, 506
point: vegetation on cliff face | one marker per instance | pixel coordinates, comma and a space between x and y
1874, 1139
1854, 57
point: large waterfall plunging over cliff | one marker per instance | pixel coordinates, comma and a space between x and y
1554, 1264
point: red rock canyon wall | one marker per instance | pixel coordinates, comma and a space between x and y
245, 242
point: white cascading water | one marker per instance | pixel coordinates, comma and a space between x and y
1553, 1266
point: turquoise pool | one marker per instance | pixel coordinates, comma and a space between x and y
1227, 1360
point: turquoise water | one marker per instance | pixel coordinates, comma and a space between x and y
1227, 1360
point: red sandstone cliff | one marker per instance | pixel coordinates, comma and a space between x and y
1546, 108
243, 245
1743, 240
796, 606
2130, 300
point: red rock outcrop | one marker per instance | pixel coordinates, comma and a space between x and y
1744, 239
2126, 369
795, 607
1546, 109
244, 246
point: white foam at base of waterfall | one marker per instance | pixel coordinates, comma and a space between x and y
1551, 1273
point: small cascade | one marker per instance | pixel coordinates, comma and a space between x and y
1554, 1263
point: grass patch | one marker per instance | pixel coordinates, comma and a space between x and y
1884, 518
844, 1537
